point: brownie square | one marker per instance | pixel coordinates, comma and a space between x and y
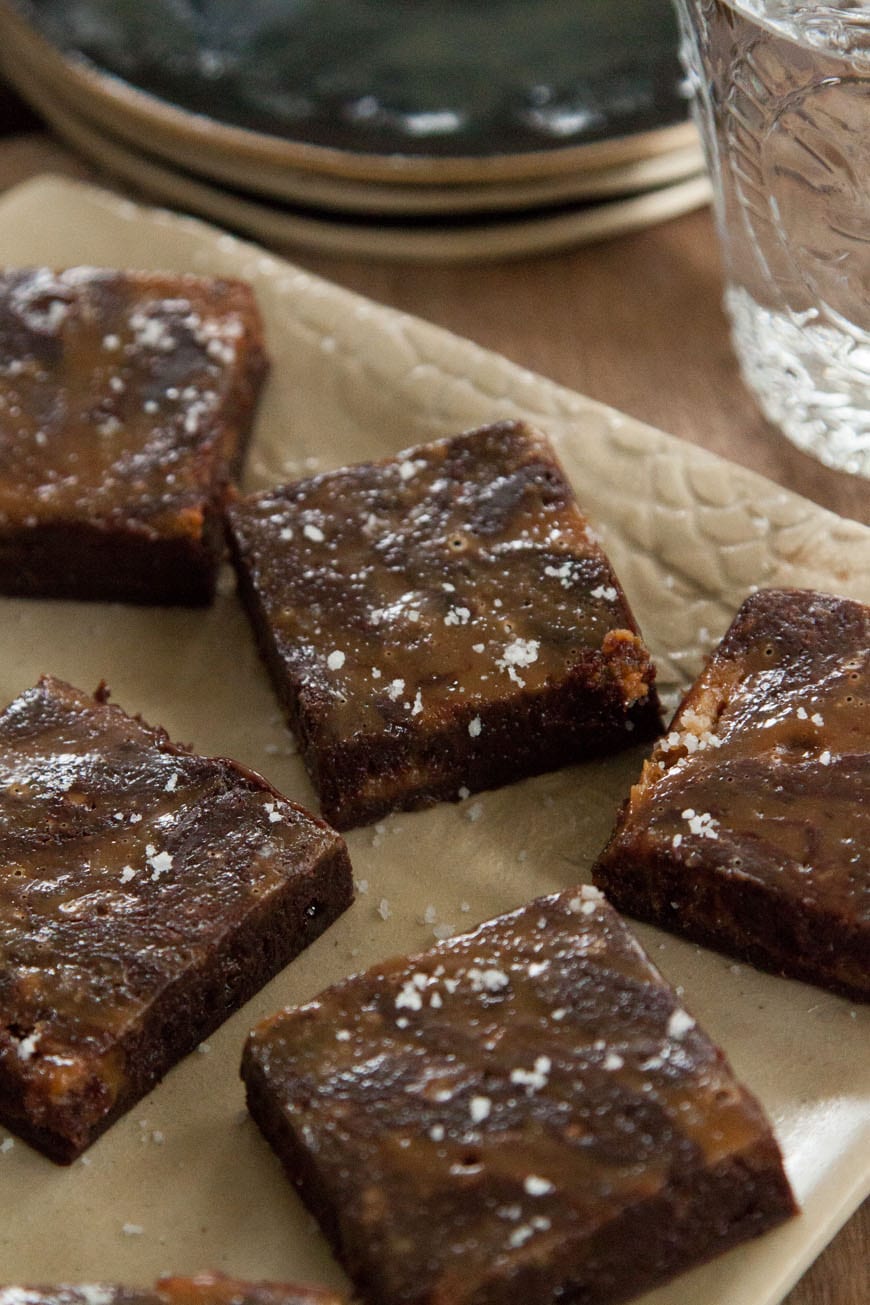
145, 893
204, 1289
749, 828
525, 1112
126, 399
440, 621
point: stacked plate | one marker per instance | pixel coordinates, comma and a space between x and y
484, 129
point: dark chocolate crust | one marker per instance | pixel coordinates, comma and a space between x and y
749, 828
126, 403
440, 622
203, 1289
524, 1112
145, 893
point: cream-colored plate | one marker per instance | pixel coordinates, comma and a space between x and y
138, 116
496, 239
689, 535
354, 196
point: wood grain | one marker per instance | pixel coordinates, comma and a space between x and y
634, 322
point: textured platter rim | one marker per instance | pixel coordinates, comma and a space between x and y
132, 111
40, 206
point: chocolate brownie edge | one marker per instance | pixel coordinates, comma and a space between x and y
697, 1218
188, 1010
363, 780
89, 562
296, 1159
746, 920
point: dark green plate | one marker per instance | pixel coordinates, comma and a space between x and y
413, 77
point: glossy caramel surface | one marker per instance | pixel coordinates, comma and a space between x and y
764, 775
123, 861
524, 1084
400, 594
119, 396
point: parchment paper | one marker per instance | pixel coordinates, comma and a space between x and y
186, 1172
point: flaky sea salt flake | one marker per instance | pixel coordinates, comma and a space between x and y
479, 1108
679, 1023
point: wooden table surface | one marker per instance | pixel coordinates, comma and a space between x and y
634, 322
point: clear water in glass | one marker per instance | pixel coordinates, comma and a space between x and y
782, 96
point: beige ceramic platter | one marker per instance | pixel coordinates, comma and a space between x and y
186, 1173
137, 116
499, 237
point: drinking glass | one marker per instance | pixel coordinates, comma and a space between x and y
782, 99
